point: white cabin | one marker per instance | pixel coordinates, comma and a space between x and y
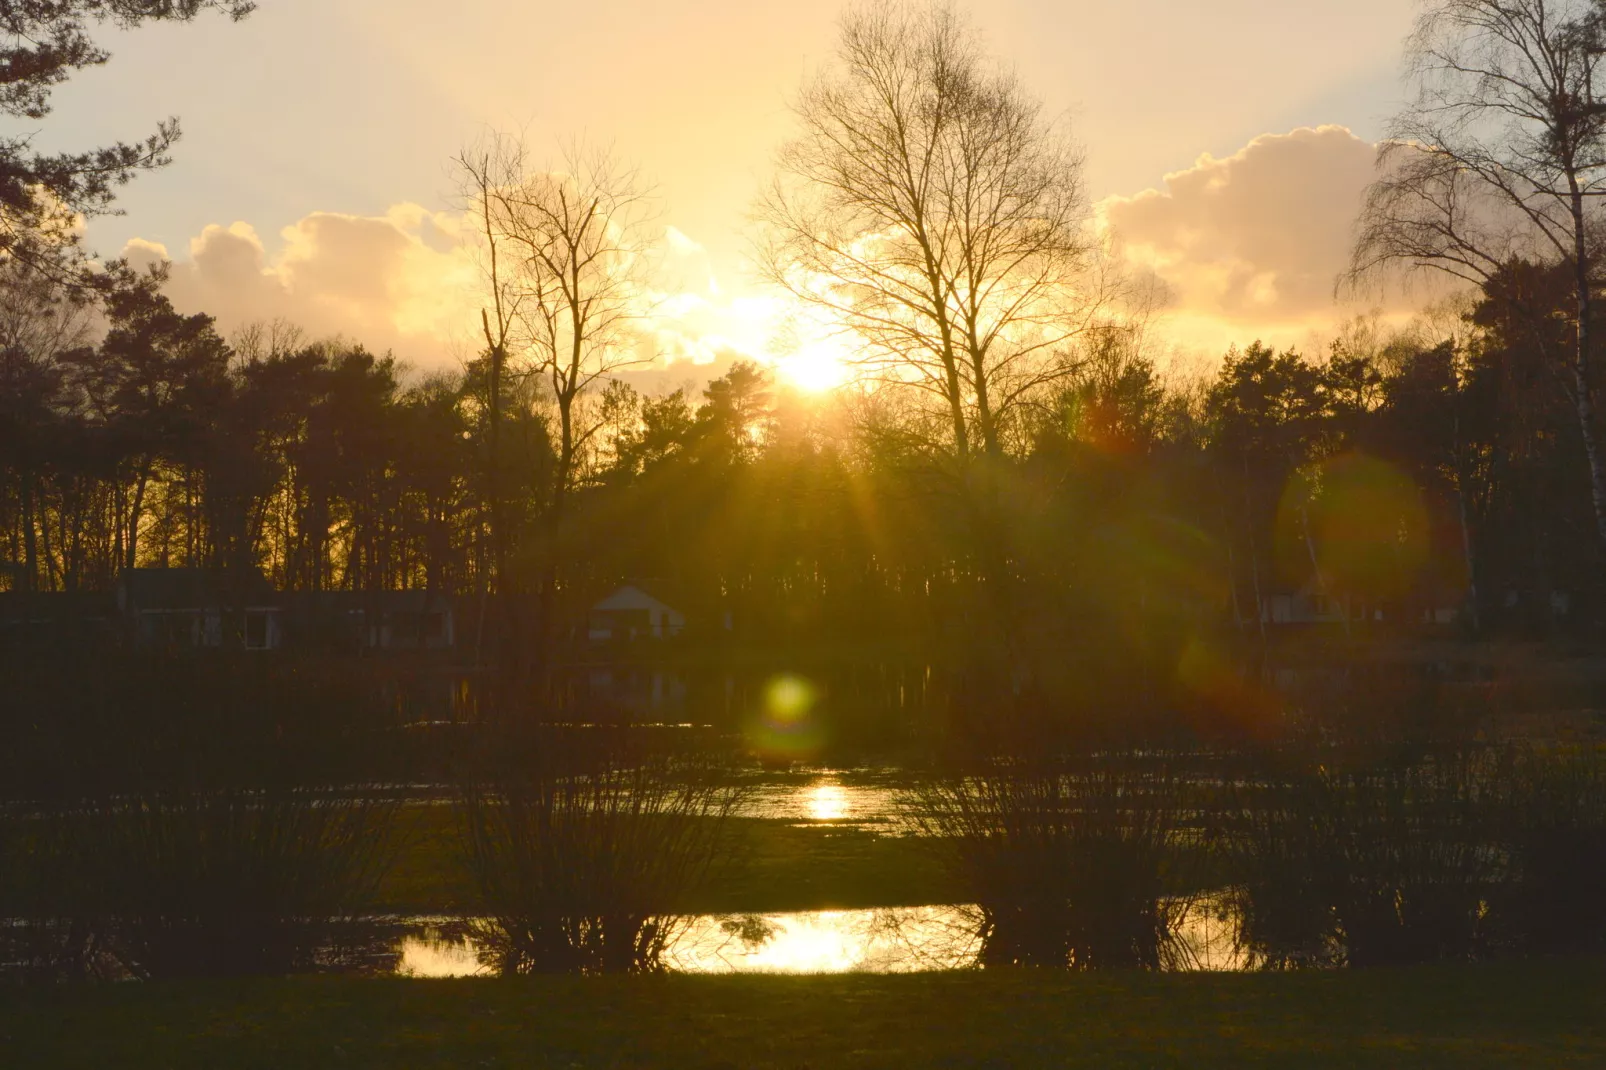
631, 613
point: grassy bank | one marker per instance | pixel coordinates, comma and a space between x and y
1525, 1014
776, 865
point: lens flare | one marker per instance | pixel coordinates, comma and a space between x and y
785, 726
788, 698
1362, 521
1210, 678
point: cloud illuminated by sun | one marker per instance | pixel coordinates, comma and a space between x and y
406, 282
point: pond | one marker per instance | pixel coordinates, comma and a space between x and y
887, 940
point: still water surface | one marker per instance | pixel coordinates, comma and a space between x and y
827, 796
889, 940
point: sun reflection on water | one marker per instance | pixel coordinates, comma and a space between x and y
888, 940
827, 941
828, 802
432, 954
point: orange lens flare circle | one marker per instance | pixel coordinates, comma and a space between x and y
1363, 522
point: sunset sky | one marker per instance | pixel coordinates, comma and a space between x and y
1226, 144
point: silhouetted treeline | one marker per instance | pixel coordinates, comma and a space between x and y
1401, 479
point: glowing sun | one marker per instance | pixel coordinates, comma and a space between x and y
815, 369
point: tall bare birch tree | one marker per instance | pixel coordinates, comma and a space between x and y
1501, 156
566, 250
567, 263
929, 209
483, 170
580, 235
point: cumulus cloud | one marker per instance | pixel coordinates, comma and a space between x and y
1253, 243
408, 282
1248, 246
401, 282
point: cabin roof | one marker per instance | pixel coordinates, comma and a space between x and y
20, 606
193, 588
636, 594
417, 600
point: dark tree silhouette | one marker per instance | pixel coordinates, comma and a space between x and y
42, 195
1502, 157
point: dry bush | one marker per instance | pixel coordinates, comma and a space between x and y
1087, 868
233, 882
1381, 863
1555, 834
586, 845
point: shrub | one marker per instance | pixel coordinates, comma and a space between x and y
586, 843
1395, 859
1080, 868
1555, 831
216, 883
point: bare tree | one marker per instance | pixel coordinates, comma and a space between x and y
261, 340
578, 235
484, 170
930, 210
566, 270
39, 318
1500, 157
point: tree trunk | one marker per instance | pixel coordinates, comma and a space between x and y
1583, 353
1315, 564
1232, 559
1254, 561
30, 550
135, 508
1467, 555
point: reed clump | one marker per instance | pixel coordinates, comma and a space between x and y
1554, 839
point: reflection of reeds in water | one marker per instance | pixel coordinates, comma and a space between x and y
439, 952
889, 940
582, 851
1082, 867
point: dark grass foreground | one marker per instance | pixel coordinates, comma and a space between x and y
1520, 1014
